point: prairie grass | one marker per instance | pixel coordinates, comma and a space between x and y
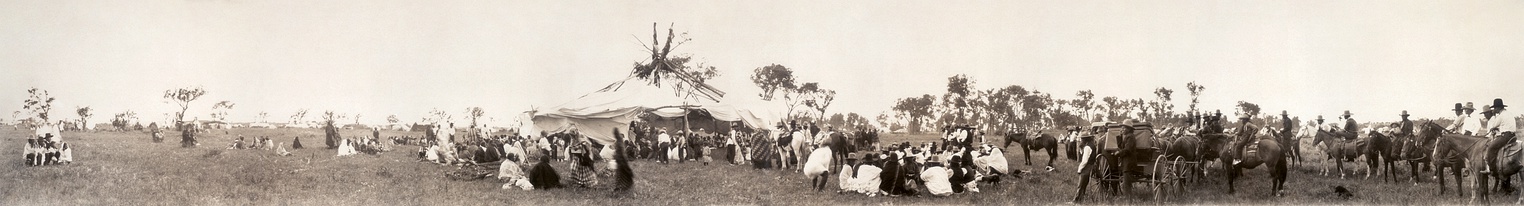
126, 168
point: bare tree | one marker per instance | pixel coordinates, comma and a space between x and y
183, 97
39, 103
299, 116
84, 116
474, 114
221, 109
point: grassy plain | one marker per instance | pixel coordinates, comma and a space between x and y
125, 168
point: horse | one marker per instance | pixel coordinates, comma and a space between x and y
1269, 151
1450, 151
1340, 150
1417, 150
1042, 141
1507, 164
1383, 150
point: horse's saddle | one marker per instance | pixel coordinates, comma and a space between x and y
1510, 152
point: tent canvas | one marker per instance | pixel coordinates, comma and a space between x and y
598, 114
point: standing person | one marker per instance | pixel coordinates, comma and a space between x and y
1462, 114
1504, 126
663, 143
730, 144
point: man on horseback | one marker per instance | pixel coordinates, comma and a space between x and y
1462, 114
1405, 127
1247, 128
1351, 128
1287, 125
1504, 127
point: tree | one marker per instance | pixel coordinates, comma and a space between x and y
436, 116
299, 116
220, 110
392, 119
773, 79
1163, 108
958, 88
817, 98
39, 103
262, 116
1112, 107
1084, 102
885, 123
1250, 108
357, 118
856, 121
1195, 90
183, 97
84, 116
916, 111
474, 114
838, 120
121, 120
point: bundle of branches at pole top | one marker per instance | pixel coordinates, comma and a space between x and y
663, 67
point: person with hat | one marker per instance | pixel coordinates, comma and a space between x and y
1481, 123
1320, 120
1351, 128
1286, 125
1462, 114
1504, 128
1405, 127
663, 143
730, 144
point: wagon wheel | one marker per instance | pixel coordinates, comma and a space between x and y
1103, 167
1180, 172
1160, 177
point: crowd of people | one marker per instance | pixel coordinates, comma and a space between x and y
47, 147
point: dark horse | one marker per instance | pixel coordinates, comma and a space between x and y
1269, 153
1503, 168
1043, 141
1450, 151
1384, 149
1418, 149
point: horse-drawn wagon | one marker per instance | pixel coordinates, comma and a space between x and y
1119, 155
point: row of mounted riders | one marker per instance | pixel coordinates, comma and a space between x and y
1121, 154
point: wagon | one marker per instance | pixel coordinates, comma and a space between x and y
1118, 156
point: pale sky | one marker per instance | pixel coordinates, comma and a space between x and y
408, 57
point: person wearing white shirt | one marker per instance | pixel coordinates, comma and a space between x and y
663, 143
730, 144
1462, 114
1503, 126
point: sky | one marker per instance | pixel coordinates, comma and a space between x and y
406, 58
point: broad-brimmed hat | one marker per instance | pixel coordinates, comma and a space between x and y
1498, 104
1244, 115
1347, 113
1404, 113
1283, 113
1458, 107
1320, 117
1470, 107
